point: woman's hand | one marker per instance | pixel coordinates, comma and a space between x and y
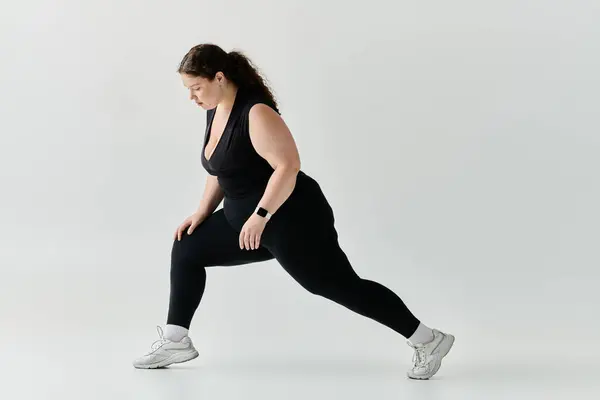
252, 232
190, 223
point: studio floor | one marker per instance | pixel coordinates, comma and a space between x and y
70, 334
99, 368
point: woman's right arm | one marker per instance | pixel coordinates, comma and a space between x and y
212, 197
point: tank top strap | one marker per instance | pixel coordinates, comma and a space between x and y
250, 100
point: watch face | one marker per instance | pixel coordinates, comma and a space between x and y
262, 212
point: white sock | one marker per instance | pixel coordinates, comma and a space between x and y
175, 332
423, 334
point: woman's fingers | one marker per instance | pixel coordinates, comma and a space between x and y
257, 242
244, 240
181, 229
191, 228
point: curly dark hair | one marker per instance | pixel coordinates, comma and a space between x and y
206, 59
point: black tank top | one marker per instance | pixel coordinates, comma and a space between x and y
240, 170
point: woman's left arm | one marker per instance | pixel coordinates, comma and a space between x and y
273, 141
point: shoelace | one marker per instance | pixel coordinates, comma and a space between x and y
419, 358
156, 345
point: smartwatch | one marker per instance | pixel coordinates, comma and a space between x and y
263, 213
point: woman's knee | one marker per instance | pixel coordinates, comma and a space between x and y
185, 253
320, 286
330, 286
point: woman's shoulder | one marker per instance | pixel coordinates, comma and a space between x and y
253, 98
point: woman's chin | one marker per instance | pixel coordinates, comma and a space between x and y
205, 106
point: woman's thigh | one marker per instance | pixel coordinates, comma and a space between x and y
301, 230
215, 243
304, 234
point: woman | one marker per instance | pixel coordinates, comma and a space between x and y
271, 209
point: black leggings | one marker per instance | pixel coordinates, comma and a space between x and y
302, 238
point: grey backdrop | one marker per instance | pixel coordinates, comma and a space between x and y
457, 142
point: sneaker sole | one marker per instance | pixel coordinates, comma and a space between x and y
173, 359
444, 350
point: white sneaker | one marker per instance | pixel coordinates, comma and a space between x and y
428, 356
166, 352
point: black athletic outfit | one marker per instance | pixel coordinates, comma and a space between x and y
300, 235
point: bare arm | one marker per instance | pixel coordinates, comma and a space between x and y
212, 197
274, 142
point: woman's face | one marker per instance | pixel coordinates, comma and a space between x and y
204, 92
